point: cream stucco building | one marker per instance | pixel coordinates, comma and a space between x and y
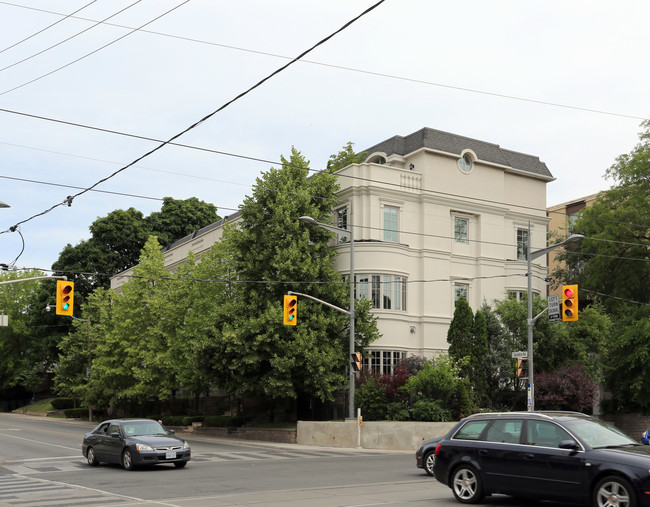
435, 216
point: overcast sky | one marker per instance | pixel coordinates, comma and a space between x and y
457, 66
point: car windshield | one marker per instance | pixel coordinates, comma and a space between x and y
599, 434
135, 428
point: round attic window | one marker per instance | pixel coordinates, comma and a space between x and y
465, 163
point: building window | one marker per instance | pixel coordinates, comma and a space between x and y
522, 244
342, 218
383, 362
461, 228
465, 163
461, 289
386, 292
391, 216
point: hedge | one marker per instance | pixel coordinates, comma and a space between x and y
62, 403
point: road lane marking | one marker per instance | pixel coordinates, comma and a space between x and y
40, 442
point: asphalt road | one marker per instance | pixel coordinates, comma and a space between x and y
41, 465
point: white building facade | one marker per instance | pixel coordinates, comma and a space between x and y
435, 216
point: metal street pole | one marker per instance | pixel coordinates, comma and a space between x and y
339, 230
530, 321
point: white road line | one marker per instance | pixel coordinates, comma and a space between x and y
39, 442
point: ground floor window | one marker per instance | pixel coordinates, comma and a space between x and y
382, 361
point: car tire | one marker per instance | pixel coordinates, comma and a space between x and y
428, 461
91, 458
127, 460
466, 484
614, 490
180, 464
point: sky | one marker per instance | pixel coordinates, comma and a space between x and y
564, 81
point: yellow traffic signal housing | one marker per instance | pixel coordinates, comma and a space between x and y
522, 368
290, 310
64, 297
357, 359
569, 303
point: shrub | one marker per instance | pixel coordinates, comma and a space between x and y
223, 421
76, 413
62, 403
428, 410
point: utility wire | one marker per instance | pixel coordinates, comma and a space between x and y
69, 199
361, 71
66, 16
94, 51
69, 38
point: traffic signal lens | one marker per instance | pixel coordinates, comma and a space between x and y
568, 293
290, 311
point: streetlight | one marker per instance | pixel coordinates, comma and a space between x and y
338, 230
530, 256
4, 205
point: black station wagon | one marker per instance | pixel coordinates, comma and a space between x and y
565, 456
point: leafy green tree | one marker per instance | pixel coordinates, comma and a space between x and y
117, 239
345, 157
27, 344
270, 253
178, 218
478, 371
460, 335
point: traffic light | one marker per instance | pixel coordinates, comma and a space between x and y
357, 359
569, 303
290, 310
522, 368
64, 297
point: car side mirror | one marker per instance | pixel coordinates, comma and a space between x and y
173, 432
115, 434
569, 444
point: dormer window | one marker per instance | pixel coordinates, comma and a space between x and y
465, 163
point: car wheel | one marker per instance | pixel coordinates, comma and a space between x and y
466, 485
180, 464
127, 461
90, 456
614, 491
429, 460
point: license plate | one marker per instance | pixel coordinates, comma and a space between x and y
170, 455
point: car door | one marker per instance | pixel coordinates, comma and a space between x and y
98, 441
114, 443
547, 469
499, 454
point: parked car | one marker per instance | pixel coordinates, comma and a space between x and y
134, 442
425, 456
565, 456
645, 438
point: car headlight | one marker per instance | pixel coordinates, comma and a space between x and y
186, 445
143, 447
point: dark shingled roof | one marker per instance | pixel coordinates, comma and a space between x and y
452, 143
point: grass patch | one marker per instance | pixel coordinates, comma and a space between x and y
44, 405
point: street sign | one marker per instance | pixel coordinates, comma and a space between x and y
520, 354
554, 313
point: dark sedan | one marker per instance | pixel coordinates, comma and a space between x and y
565, 456
425, 456
134, 442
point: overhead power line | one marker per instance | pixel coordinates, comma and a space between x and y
94, 51
65, 16
502, 95
69, 199
69, 38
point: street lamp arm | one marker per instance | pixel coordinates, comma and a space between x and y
571, 239
346, 312
311, 221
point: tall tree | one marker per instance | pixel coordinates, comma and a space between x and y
117, 239
271, 252
345, 157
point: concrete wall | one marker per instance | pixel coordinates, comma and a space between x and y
396, 436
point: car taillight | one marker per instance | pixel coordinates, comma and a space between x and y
437, 451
